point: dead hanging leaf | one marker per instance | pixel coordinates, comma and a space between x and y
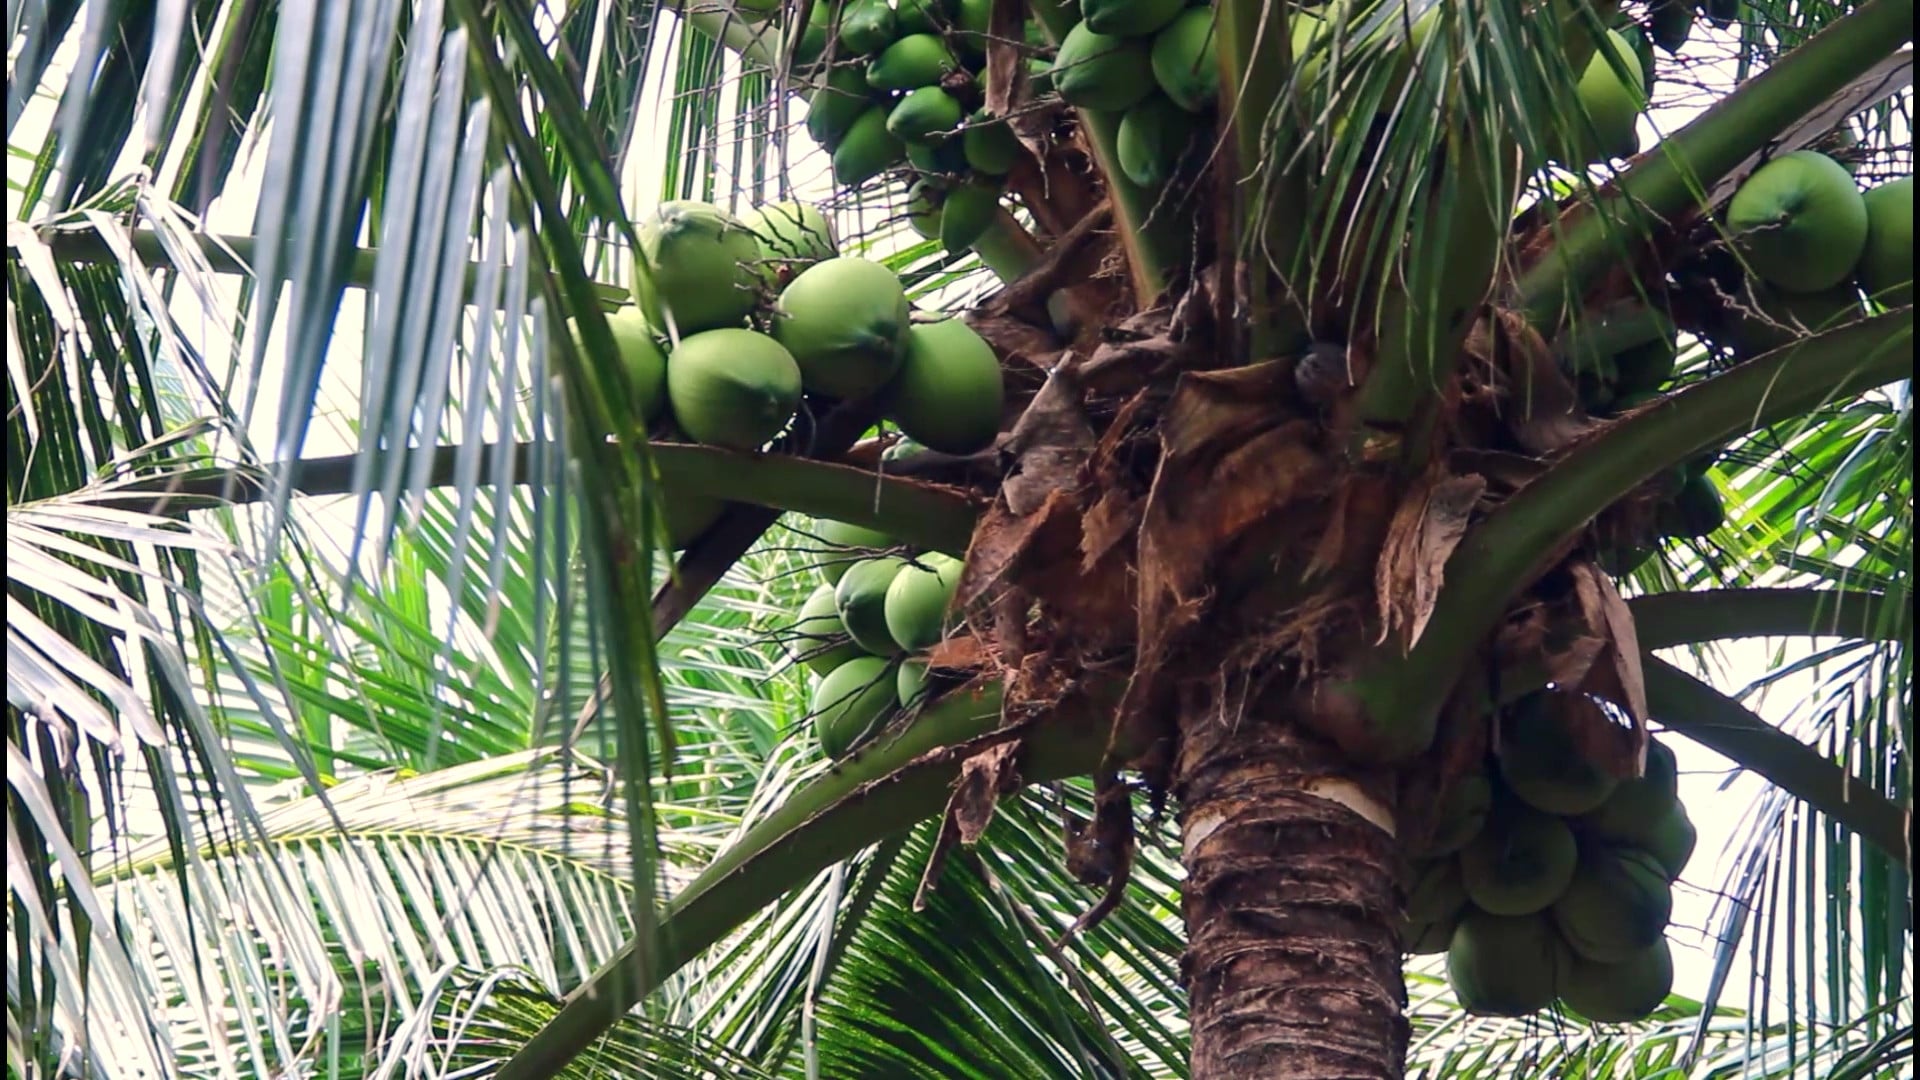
1428, 525
1593, 734
984, 777
1050, 443
1543, 409
1620, 680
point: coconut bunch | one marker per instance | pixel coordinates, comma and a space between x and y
863, 630
900, 84
1546, 878
765, 314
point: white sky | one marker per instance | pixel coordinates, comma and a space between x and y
1716, 806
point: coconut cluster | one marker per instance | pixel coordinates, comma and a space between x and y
1546, 878
1813, 241
901, 84
738, 320
863, 630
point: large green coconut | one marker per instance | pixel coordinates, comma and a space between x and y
1617, 903
1613, 104
851, 702
911, 682
702, 261
1097, 71
950, 391
1153, 135
917, 600
1541, 764
914, 61
1461, 815
868, 149
1437, 893
1623, 992
1800, 222
1671, 842
1520, 863
861, 597
845, 322
967, 212
642, 361
1886, 265
1183, 60
820, 639
1637, 805
839, 102
928, 114
793, 236
732, 388
1506, 966
990, 146
1129, 18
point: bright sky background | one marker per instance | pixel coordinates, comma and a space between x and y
1716, 798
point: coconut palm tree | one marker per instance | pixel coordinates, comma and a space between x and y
367, 718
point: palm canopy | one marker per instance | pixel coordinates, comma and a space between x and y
368, 763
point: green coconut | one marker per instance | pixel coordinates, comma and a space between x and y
732, 388
702, 263
793, 236
814, 40
851, 702
914, 61
839, 102
990, 146
919, 16
1697, 511
819, 639
949, 392
1129, 18
1886, 264
1541, 764
1800, 222
1617, 903
868, 150
1153, 135
643, 364
1671, 842
1506, 966
970, 29
1613, 104
837, 545
868, 26
923, 208
1622, 992
1461, 815
1437, 894
1670, 23
1097, 71
945, 158
1637, 805
845, 322
1183, 60
688, 516
967, 212
861, 597
928, 114
1520, 863
918, 598
910, 682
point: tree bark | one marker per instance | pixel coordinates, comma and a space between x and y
1293, 965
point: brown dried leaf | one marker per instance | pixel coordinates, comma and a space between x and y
1606, 614
984, 777
1545, 413
1051, 443
1425, 529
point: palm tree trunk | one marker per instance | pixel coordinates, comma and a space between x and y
1293, 964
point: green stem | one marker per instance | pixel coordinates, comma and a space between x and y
1149, 232
1669, 183
1254, 53
1723, 725
1686, 618
878, 792
1504, 552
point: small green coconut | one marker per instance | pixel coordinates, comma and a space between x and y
861, 597
1129, 18
839, 102
1099, 71
851, 703
702, 268
1183, 60
1637, 805
732, 388
792, 236
845, 322
990, 146
950, 391
911, 682
914, 61
1153, 135
838, 545
918, 598
1800, 222
1886, 264
868, 26
868, 150
820, 640
1520, 863
928, 114
1506, 965
1617, 903
1623, 992
1671, 842
642, 361
967, 212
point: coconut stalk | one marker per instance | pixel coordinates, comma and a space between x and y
1255, 55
